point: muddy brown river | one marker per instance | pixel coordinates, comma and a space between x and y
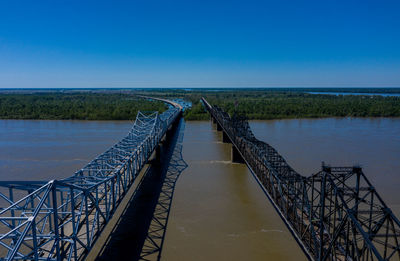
218, 211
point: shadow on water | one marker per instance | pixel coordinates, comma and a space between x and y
141, 230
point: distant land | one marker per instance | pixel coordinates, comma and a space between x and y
189, 89
255, 103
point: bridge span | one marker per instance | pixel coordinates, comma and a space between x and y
61, 219
335, 214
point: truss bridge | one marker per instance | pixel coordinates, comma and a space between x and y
61, 219
335, 214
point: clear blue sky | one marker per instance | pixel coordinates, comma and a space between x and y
148, 43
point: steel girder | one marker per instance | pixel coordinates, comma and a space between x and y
335, 214
61, 219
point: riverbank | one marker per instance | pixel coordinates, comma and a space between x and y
255, 104
288, 105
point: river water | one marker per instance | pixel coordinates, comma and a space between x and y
372, 143
44, 150
358, 93
218, 210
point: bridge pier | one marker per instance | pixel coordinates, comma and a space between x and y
225, 138
219, 128
171, 130
235, 155
213, 120
169, 133
155, 158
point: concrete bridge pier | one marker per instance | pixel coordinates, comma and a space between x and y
155, 158
168, 134
225, 138
171, 130
214, 121
158, 153
236, 156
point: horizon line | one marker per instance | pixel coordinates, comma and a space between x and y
212, 87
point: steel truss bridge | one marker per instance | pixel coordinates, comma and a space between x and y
61, 219
335, 214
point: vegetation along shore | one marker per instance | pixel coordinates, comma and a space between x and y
256, 104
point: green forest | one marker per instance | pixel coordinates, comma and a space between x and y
298, 105
76, 106
263, 104
254, 103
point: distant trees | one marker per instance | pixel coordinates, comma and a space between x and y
282, 105
79, 106
255, 103
197, 112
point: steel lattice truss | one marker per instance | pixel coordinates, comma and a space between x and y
60, 219
335, 214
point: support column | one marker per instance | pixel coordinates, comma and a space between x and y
219, 128
235, 155
157, 157
225, 138
168, 134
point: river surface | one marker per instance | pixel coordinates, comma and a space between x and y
372, 143
45, 150
218, 210
358, 93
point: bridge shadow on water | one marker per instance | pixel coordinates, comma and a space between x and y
141, 230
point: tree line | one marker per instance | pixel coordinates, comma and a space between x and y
286, 105
76, 106
258, 104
